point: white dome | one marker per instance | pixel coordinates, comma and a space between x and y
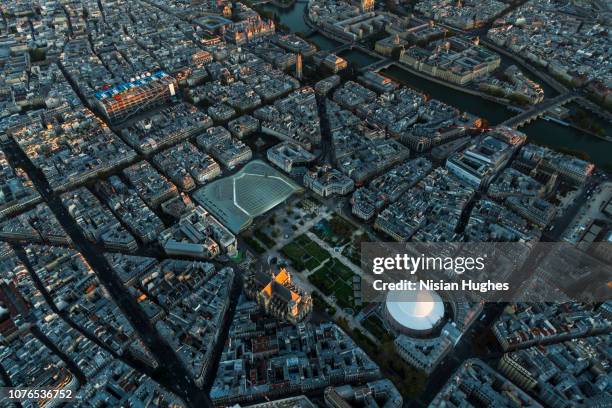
414, 311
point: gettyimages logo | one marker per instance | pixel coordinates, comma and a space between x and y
508, 272
422, 263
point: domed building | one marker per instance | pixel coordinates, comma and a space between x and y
415, 313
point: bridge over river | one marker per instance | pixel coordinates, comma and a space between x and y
540, 109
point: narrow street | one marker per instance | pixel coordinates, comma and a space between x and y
169, 366
464, 350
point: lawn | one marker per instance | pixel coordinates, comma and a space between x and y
334, 278
336, 231
304, 253
255, 245
323, 283
312, 248
353, 250
312, 264
344, 294
264, 238
322, 304
341, 270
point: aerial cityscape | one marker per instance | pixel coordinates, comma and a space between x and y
186, 187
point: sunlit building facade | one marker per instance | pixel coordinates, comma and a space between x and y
279, 296
123, 101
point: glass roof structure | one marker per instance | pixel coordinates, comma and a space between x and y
236, 200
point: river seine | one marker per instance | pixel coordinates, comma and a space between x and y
541, 131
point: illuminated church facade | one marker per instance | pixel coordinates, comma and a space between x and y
279, 296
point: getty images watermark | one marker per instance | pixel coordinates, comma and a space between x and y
408, 264
542, 272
